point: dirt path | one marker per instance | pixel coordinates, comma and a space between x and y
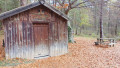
82, 54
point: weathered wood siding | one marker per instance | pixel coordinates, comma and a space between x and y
20, 38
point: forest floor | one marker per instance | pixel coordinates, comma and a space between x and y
2, 52
82, 54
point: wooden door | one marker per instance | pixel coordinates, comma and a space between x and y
41, 39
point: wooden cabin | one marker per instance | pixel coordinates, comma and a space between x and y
34, 31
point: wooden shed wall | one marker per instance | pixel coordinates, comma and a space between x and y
19, 38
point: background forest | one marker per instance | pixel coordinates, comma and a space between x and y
85, 15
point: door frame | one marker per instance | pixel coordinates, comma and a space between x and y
41, 22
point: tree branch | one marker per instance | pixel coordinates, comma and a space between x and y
59, 2
117, 6
72, 2
83, 6
78, 4
63, 2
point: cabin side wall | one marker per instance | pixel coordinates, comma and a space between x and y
19, 39
59, 35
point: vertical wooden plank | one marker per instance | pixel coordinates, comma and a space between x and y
52, 38
33, 42
11, 39
20, 38
24, 39
33, 39
60, 35
15, 28
30, 53
59, 28
55, 39
28, 40
17, 39
19, 28
23, 25
13, 33
66, 35
6, 40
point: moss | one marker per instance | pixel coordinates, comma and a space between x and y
2, 32
69, 35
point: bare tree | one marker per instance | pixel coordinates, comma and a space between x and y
71, 4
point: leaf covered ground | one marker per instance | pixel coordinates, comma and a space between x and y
2, 51
82, 54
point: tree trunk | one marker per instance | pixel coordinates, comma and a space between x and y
5, 9
23, 2
66, 12
70, 31
116, 29
95, 17
0, 10
109, 21
101, 19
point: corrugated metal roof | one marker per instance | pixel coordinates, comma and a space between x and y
27, 7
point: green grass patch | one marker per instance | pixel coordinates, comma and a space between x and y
2, 32
87, 36
15, 62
